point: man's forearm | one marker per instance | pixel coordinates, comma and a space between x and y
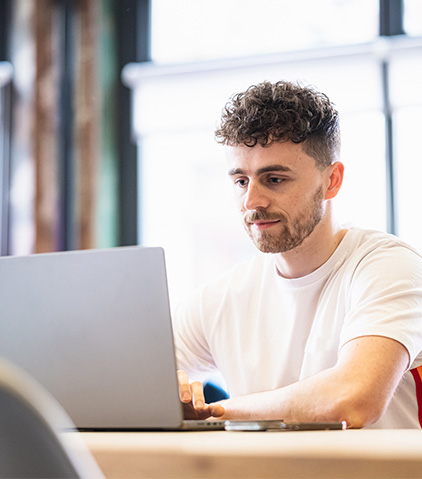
357, 390
313, 399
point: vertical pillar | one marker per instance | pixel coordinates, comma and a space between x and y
44, 132
391, 23
86, 122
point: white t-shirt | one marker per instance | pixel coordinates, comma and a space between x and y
263, 331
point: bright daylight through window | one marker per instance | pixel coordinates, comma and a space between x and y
185, 194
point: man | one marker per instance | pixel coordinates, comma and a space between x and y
325, 324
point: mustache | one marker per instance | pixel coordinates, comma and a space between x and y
252, 216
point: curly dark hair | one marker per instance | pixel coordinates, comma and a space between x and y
282, 111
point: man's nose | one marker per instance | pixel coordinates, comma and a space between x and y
255, 197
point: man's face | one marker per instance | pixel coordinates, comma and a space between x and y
280, 194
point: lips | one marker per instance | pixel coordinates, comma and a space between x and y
261, 225
262, 219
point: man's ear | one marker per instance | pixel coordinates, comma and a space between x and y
336, 173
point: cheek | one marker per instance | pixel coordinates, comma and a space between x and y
307, 195
289, 203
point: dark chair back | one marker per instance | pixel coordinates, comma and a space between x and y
33, 443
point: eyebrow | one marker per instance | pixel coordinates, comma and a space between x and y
260, 171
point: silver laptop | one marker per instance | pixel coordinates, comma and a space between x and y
94, 328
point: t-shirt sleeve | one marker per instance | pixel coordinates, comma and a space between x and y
191, 346
385, 298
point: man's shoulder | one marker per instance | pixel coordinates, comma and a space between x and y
375, 248
375, 240
368, 237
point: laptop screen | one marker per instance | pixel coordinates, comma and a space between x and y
94, 328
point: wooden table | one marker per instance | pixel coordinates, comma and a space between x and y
220, 454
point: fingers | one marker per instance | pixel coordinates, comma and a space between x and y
191, 392
184, 387
216, 410
198, 395
192, 397
190, 412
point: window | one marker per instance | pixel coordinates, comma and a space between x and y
406, 95
185, 193
196, 30
413, 17
185, 196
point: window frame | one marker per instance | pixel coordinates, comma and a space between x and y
6, 74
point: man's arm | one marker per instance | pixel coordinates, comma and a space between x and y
357, 390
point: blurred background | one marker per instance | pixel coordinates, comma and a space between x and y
108, 109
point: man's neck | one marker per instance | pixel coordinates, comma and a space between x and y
313, 252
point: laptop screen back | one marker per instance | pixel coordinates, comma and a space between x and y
94, 328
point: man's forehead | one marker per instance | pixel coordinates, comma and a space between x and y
281, 157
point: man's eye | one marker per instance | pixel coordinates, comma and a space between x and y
241, 183
275, 180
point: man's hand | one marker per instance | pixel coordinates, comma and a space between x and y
192, 397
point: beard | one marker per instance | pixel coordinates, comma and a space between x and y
291, 235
